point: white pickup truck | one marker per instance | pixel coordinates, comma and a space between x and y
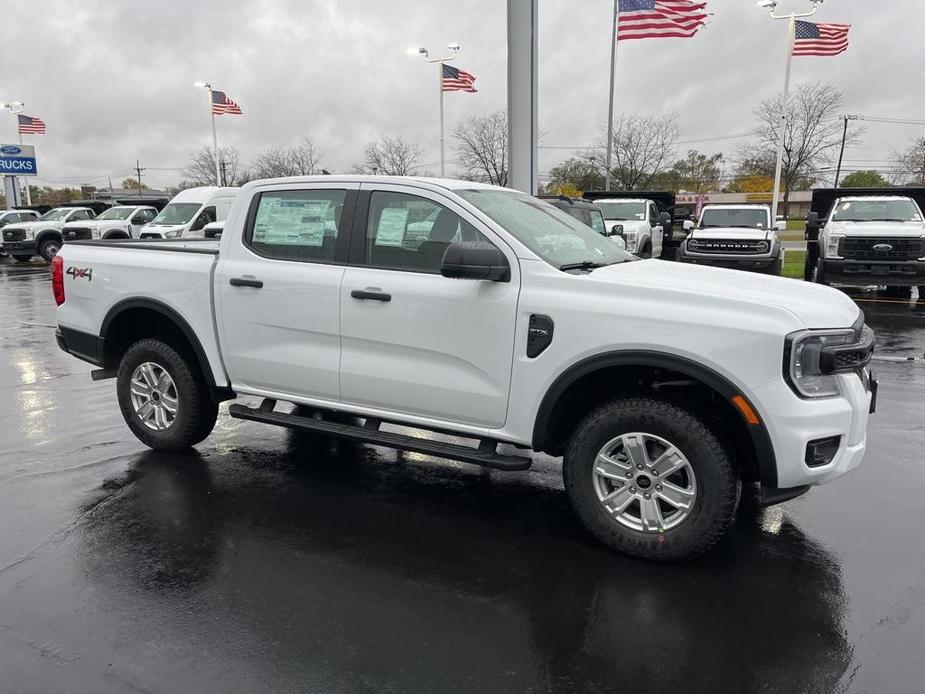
734, 236
638, 221
119, 222
664, 386
872, 240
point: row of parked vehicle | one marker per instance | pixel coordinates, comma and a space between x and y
25, 233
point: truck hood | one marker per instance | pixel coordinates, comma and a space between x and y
37, 226
812, 305
729, 233
884, 229
97, 224
628, 224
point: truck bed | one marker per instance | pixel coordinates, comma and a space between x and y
209, 246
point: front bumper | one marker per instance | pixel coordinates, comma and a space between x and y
793, 422
17, 247
750, 263
859, 273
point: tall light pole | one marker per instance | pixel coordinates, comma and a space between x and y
17, 107
208, 88
791, 18
454, 50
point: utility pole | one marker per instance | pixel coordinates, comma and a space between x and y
841, 152
224, 177
138, 170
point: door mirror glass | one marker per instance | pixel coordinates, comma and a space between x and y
475, 260
780, 226
812, 219
687, 225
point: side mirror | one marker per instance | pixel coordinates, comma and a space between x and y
687, 225
664, 219
475, 260
780, 226
812, 219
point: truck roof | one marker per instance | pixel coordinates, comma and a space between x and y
738, 206
642, 200
874, 197
448, 183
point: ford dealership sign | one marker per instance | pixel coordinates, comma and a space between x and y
18, 160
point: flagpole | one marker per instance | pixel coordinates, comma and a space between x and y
791, 37
442, 138
218, 180
614, 25
28, 192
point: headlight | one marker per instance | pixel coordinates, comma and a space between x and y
29, 233
803, 361
762, 246
630, 238
172, 234
831, 245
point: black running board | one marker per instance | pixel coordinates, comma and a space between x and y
485, 455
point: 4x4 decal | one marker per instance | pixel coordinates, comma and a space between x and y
81, 273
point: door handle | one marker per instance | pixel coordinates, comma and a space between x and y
245, 282
363, 294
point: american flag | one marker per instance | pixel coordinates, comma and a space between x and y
657, 19
28, 125
456, 80
820, 39
222, 104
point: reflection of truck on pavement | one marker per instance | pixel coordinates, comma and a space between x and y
734, 236
863, 237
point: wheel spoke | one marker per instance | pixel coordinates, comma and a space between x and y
669, 462
610, 467
650, 514
675, 495
147, 373
635, 447
144, 412
169, 403
139, 388
160, 417
617, 501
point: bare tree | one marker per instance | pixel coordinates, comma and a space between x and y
812, 129
390, 156
300, 159
909, 164
482, 150
642, 148
200, 170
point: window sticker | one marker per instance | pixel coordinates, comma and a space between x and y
291, 222
391, 228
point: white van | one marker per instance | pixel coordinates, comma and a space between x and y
189, 211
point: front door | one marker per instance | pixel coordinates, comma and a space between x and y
279, 290
413, 341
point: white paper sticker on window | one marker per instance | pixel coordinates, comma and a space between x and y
391, 228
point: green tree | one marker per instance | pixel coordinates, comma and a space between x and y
864, 179
132, 184
697, 172
581, 173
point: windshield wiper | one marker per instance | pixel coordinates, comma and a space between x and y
584, 265
887, 219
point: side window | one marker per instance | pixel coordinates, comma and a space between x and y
406, 232
297, 224
653, 215
204, 217
597, 222
78, 216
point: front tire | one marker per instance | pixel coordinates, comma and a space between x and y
646, 251
49, 249
650, 479
22, 258
819, 273
163, 396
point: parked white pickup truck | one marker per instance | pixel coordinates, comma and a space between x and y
119, 222
734, 236
22, 240
664, 386
638, 221
872, 240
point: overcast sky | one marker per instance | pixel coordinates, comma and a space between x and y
113, 80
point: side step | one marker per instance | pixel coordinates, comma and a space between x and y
485, 455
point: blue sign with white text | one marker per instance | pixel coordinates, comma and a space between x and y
18, 160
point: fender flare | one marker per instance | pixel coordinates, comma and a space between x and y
44, 233
758, 433
159, 307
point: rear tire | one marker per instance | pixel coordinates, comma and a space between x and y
142, 387
704, 479
22, 258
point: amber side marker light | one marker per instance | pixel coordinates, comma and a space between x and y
746, 409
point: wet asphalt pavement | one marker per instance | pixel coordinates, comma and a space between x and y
267, 562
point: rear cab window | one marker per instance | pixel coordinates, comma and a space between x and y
300, 225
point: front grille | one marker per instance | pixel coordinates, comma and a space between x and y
881, 249
14, 234
731, 246
77, 234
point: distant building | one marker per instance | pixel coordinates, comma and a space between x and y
799, 201
112, 194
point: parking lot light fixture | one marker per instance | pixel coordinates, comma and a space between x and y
17, 107
770, 6
454, 50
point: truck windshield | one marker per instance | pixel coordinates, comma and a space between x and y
117, 213
877, 211
622, 211
556, 237
731, 217
55, 215
177, 213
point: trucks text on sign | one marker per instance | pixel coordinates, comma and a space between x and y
18, 160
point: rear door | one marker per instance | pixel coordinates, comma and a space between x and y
278, 289
413, 341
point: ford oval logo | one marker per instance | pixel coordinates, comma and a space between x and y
883, 247
10, 149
